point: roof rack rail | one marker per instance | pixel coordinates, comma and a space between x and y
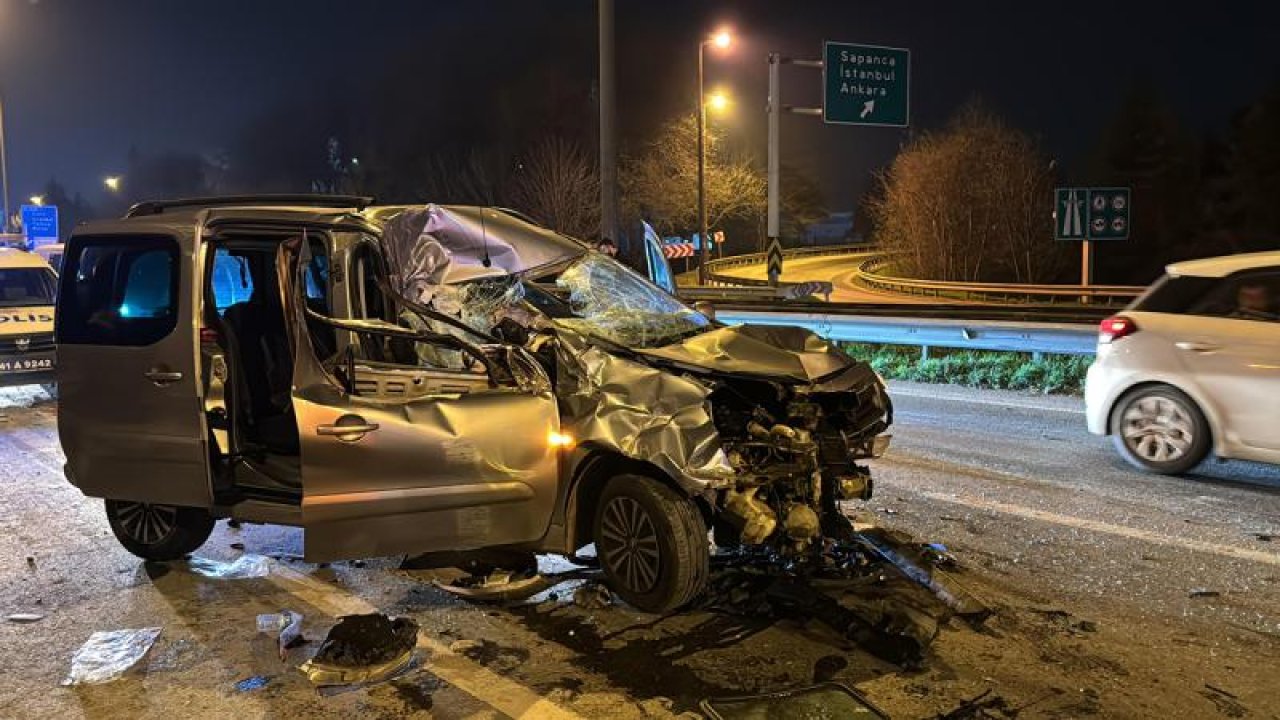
157, 207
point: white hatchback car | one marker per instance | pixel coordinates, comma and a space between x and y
1193, 365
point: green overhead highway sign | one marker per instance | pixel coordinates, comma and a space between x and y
1100, 213
866, 85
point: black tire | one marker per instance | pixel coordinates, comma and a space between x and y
1159, 429
652, 543
158, 532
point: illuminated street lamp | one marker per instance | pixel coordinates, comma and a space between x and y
721, 40
112, 182
36, 199
718, 101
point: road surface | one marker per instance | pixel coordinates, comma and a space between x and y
839, 270
1118, 595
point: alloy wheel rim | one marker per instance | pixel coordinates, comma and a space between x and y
146, 523
1157, 429
630, 544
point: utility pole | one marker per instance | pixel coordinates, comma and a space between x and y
4, 170
609, 225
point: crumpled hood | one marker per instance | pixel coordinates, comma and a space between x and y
764, 350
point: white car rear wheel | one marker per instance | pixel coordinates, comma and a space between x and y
1157, 428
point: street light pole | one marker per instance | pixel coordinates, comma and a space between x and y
702, 171
608, 120
4, 170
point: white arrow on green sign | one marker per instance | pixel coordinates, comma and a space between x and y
866, 85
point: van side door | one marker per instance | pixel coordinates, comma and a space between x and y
406, 448
129, 414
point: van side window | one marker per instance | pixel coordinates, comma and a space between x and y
118, 291
232, 280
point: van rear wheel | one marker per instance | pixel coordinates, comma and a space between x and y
158, 532
652, 543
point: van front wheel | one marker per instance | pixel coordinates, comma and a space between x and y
652, 543
158, 532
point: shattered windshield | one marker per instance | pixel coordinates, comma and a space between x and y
598, 296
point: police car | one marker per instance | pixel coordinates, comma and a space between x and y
27, 289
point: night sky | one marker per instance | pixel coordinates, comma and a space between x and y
83, 81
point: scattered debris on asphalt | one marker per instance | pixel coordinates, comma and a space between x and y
25, 617
462, 647
253, 682
497, 586
592, 596
1203, 592
1227, 704
243, 567
108, 654
363, 649
286, 625
825, 700
978, 707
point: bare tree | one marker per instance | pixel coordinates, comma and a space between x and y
557, 184
660, 183
972, 202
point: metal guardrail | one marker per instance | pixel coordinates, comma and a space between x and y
992, 292
716, 278
957, 333
869, 276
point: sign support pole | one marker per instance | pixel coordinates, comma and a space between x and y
775, 112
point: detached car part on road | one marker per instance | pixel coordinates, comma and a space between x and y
428, 378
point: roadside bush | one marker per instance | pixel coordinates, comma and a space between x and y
1059, 374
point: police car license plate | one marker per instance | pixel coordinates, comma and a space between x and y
11, 365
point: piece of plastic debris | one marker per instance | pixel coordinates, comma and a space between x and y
286, 625
497, 586
592, 596
108, 654
825, 700
1264, 537
237, 546
245, 566
31, 562
1203, 592
25, 617
254, 682
363, 649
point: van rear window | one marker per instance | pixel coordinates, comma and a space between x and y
118, 291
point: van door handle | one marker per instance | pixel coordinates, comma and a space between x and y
1197, 347
348, 428
160, 378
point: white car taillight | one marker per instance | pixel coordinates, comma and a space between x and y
1116, 327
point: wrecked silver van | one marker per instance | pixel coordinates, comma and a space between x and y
418, 378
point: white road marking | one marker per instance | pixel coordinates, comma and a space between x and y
500, 693
956, 397
1105, 527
